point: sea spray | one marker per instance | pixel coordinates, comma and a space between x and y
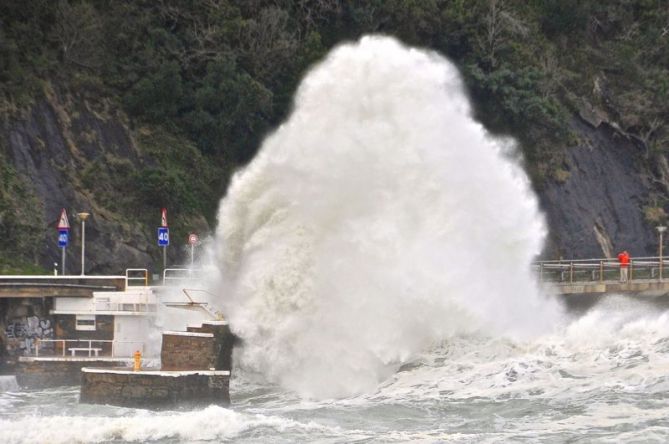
380, 218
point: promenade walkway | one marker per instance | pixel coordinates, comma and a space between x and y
647, 275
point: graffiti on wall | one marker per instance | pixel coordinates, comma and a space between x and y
22, 333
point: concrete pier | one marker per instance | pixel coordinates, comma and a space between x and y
154, 389
195, 370
57, 371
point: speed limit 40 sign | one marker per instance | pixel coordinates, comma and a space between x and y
163, 236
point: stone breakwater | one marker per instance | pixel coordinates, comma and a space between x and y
53, 372
156, 389
195, 370
205, 347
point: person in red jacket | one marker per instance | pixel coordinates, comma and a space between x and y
624, 259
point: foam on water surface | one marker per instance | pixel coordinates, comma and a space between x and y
8, 383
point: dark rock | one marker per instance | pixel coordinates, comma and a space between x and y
597, 210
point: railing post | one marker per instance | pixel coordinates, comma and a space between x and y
601, 271
37, 347
571, 272
541, 272
631, 277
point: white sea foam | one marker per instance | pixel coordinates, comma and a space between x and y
378, 219
617, 349
8, 383
211, 424
604, 376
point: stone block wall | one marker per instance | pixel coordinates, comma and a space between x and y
224, 342
188, 351
195, 370
155, 389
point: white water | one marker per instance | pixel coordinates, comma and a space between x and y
8, 383
604, 378
379, 219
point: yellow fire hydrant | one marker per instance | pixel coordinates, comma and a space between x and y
138, 361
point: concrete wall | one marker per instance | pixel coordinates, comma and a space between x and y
22, 323
154, 389
131, 333
45, 372
74, 304
66, 328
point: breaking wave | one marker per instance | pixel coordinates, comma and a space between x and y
378, 220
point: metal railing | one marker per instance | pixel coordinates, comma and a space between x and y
601, 270
136, 275
93, 347
122, 303
175, 275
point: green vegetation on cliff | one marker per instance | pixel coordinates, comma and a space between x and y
202, 81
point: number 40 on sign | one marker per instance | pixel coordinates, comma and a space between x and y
163, 236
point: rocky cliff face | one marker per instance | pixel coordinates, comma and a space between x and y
597, 210
60, 149
75, 154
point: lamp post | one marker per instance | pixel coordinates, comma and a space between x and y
661, 229
82, 218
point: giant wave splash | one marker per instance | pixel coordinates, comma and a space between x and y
379, 219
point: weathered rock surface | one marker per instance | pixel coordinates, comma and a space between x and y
598, 210
595, 211
52, 148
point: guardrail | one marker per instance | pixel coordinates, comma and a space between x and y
136, 275
93, 347
601, 270
176, 275
142, 303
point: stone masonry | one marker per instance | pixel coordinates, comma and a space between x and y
155, 389
187, 351
195, 370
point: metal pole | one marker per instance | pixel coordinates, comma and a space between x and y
82, 217
83, 245
661, 229
62, 261
571, 272
541, 272
164, 258
192, 254
661, 259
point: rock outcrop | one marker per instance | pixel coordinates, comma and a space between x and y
63, 149
598, 209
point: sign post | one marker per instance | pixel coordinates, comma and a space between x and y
164, 236
192, 240
63, 236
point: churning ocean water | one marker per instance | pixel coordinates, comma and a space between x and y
375, 259
605, 378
